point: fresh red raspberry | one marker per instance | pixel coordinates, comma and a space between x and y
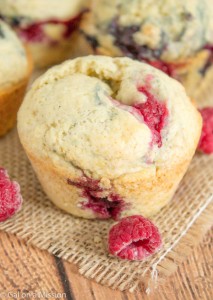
206, 139
134, 238
10, 197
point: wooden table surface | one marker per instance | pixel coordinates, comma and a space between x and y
25, 271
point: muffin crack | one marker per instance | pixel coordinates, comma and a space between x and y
151, 112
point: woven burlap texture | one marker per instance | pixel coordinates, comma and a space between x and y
182, 224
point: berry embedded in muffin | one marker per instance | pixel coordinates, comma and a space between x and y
118, 146
173, 36
15, 66
104, 207
48, 27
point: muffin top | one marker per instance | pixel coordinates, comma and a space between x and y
147, 29
108, 117
40, 9
13, 62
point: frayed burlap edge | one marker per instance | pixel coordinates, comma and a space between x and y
37, 232
182, 248
159, 272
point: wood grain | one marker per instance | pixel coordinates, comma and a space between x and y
25, 268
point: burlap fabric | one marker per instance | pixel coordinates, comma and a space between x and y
182, 223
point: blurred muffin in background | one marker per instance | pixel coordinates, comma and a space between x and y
48, 27
174, 36
15, 66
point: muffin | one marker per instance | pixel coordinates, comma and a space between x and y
48, 27
174, 36
108, 137
15, 66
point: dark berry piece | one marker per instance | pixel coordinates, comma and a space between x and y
92, 41
134, 238
167, 68
16, 21
209, 61
123, 39
2, 36
209, 47
105, 207
104, 203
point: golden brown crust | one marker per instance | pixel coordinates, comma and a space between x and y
11, 98
45, 55
144, 192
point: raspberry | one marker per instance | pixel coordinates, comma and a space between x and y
104, 206
167, 68
134, 238
10, 197
36, 32
154, 113
123, 39
209, 47
206, 139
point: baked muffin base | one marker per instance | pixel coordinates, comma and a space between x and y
11, 98
142, 193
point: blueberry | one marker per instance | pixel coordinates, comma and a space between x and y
123, 39
92, 40
2, 36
